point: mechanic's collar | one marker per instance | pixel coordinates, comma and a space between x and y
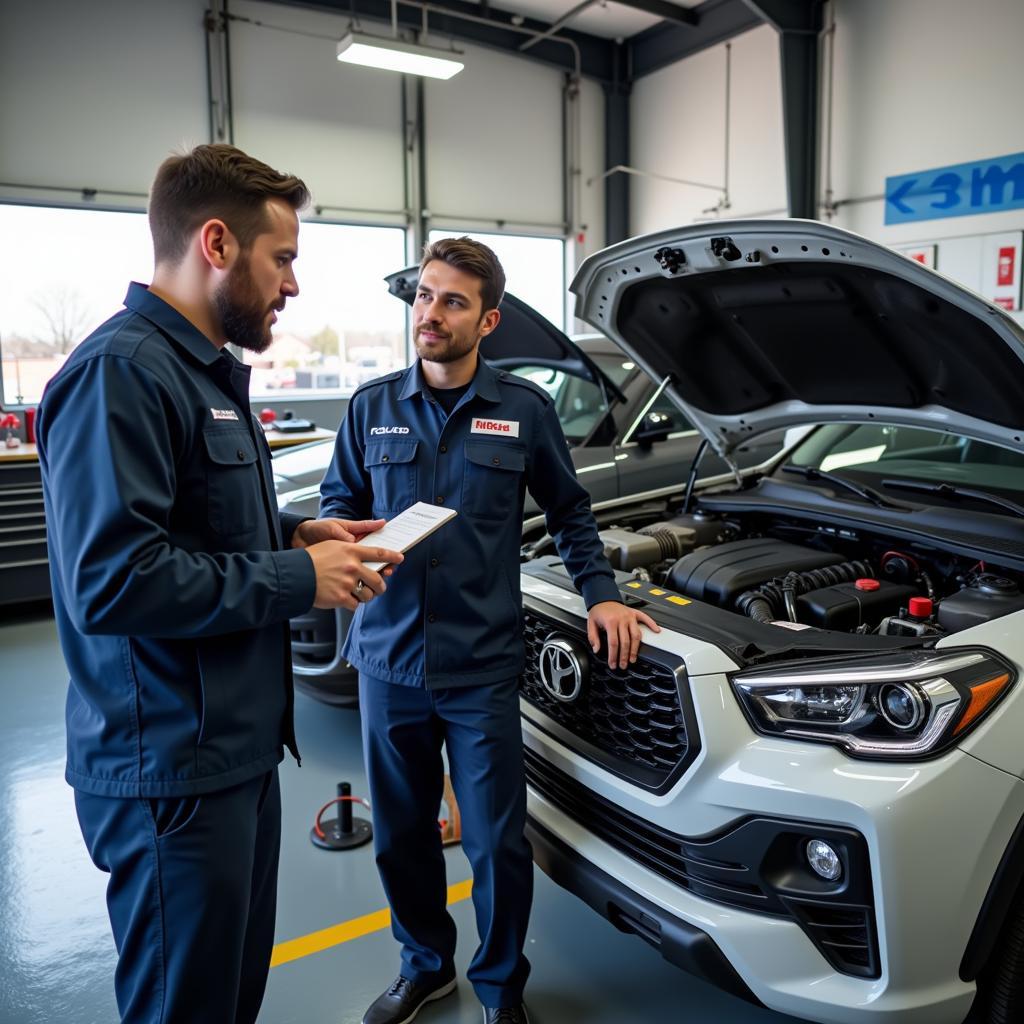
483, 385
179, 329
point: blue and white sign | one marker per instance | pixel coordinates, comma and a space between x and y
984, 186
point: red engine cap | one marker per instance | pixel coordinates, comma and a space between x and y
867, 584
267, 415
920, 607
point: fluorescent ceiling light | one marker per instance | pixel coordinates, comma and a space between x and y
398, 55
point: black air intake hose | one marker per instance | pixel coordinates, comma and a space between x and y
777, 599
671, 545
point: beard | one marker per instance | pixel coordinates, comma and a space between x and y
448, 351
243, 315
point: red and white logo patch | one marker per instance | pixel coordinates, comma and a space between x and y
504, 428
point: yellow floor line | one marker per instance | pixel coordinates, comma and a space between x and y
316, 942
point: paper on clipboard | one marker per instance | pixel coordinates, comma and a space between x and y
407, 528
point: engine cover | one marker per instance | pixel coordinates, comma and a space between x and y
720, 574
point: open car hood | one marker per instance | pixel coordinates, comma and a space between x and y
774, 323
522, 337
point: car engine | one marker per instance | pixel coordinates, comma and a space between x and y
802, 576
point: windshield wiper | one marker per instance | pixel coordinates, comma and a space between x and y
952, 491
810, 473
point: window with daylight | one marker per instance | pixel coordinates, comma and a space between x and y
64, 271
534, 269
344, 327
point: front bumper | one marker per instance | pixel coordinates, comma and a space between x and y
679, 942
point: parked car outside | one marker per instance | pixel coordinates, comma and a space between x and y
808, 789
624, 434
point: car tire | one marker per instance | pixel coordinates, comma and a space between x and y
1000, 998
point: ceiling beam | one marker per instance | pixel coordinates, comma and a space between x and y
664, 10
664, 44
798, 23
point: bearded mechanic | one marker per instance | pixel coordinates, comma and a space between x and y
173, 577
439, 658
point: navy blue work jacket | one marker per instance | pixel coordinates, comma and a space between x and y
173, 579
452, 613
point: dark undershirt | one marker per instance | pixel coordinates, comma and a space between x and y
448, 398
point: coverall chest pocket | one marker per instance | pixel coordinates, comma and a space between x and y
233, 490
492, 479
392, 468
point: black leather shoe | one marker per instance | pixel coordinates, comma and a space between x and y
506, 1015
404, 999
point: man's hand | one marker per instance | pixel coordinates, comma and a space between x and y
622, 625
341, 578
312, 531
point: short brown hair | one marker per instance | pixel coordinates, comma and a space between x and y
215, 181
472, 258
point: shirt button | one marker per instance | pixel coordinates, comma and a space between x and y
241, 455
434, 563
440, 499
431, 617
444, 448
496, 460
385, 458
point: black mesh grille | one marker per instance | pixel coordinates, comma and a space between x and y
633, 717
665, 853
846, 935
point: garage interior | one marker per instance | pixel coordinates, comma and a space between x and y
573, 126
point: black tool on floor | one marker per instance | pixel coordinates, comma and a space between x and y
345, 831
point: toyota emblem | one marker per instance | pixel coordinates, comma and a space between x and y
562, 670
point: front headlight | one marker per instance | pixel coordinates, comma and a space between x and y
899, 706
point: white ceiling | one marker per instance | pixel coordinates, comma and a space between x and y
605, 18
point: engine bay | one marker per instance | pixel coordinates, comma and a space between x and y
800, 575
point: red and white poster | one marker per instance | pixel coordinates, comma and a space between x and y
1000, 269
1005, 265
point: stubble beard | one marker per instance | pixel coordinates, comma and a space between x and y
450, 351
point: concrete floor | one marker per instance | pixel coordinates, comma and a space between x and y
57, 955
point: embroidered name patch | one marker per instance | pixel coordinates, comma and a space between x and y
510, 428
389, 430
224, 414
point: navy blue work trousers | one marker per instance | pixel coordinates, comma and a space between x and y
403, 731
192, 897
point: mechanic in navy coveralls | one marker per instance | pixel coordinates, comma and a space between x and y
439, 656
174, 578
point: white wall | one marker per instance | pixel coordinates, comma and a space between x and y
922, 84
917, 84
678, 130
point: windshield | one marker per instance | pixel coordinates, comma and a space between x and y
580, 404
873, 453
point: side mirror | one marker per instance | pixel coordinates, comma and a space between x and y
656, 426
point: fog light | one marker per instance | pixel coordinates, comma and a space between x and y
824, 860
